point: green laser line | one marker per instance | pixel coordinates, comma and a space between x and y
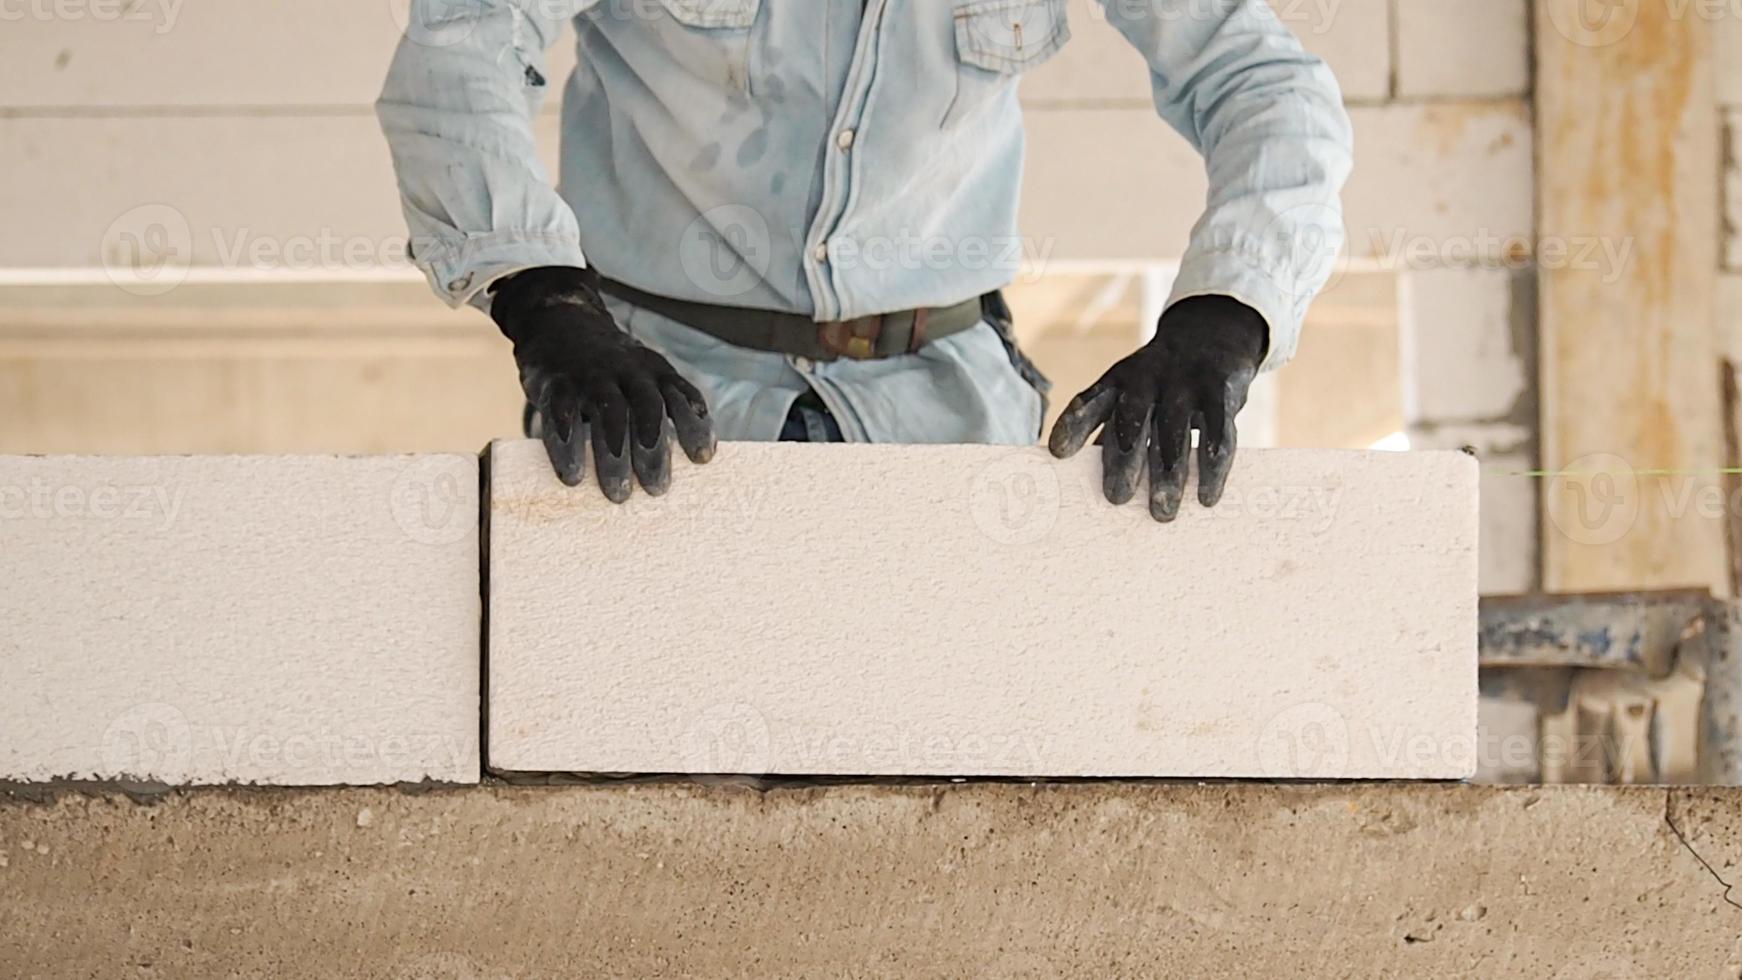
1724, 471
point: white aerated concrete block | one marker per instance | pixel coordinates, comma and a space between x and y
1351, 35
1729, 304
163, 54
1508, 544
203, 191
981, 611
1437, 184
1469, 49
273, 620
1466, 344
1445, 183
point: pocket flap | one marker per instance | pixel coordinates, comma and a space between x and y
1010, 36
730, 14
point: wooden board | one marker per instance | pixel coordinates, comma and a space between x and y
1628, 130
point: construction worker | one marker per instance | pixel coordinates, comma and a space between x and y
789, 219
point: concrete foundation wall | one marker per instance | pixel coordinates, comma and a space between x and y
1127, 879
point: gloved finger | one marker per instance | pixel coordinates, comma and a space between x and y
1082, 417
1234, 390
1216, 442
689, 414
536, 385
650, 447
1170, 447
608, 412
1122, 449
564, 434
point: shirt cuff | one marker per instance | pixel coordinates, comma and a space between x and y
461, 271
1234, 275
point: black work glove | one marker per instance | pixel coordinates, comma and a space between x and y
590, 381
1194, 374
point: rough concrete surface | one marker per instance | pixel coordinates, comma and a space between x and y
1004, 879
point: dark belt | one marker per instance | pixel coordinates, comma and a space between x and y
865, 338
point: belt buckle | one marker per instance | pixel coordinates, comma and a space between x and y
855, 339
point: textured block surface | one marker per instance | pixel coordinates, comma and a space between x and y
955, 610
1474, 48
202, 191
281, 620
1470, 335
1445, 183
1437, 184
163, 54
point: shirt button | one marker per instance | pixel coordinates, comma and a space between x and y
845, 140
821, 253
461, 284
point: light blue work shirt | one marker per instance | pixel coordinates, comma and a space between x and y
839, 158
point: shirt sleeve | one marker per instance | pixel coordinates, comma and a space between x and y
465, 85
1268, 119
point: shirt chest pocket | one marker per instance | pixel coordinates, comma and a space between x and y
710, 38
997, 41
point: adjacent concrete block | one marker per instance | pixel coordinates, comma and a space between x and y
1434, 185
206, 191
1511, 741
1509, 543
1143, 168
281, 620
1472, 48
958, 610
1437, 184
1729, 312
1510, 522
1352, 36
1469, 342
165, 53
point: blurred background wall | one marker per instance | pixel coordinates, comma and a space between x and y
220, 162
202, 251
